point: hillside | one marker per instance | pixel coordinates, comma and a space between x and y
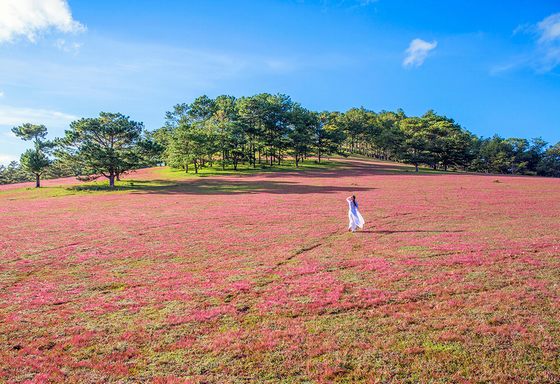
254, 278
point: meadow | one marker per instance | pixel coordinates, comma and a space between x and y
253, 278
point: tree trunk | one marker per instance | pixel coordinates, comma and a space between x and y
416, 165
111, 180
319, 156
195, 167
37, 180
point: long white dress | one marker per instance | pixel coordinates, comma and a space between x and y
355, 218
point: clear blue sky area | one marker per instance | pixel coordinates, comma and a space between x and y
493, 66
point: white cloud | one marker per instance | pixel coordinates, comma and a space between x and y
28, 18
2, 94
417, 52
12, 116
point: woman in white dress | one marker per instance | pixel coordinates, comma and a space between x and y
354, 216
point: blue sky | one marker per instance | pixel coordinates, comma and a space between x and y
495, 68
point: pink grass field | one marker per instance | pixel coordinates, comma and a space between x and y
254, 279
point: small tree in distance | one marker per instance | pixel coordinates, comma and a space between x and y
35, 160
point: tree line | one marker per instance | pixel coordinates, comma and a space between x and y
265, 130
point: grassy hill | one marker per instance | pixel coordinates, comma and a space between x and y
254, 278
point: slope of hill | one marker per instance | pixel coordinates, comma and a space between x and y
254, 278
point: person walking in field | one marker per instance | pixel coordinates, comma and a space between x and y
354, 216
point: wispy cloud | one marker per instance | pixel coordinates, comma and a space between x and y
367, 2
327, 5
544, 53
30, 18
2, 94
68, 47
509, 66
549, 29
11, 116
110, 68
548, 43
417, 52
5, 159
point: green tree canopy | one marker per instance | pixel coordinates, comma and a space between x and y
108, 145
36, 160
550, 163
31, 132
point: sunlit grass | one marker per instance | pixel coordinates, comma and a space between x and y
98, 186
246, 169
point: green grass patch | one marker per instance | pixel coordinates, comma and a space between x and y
451, 348
87, 188
246, 169
413, 248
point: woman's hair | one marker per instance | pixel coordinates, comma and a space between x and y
354, 200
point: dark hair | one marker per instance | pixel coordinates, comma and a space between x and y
354, 200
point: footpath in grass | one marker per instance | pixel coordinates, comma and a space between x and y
254, 278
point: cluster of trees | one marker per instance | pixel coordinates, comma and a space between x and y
264, 130
13, 173
108, 145
35, 160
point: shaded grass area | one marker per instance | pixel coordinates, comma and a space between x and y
208, 181
167, 180
387, 166
190, 187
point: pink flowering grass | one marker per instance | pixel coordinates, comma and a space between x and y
254, 278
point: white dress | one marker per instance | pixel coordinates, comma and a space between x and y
355, 218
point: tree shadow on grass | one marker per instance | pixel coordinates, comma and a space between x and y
216, 186
356, 168
335, 168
